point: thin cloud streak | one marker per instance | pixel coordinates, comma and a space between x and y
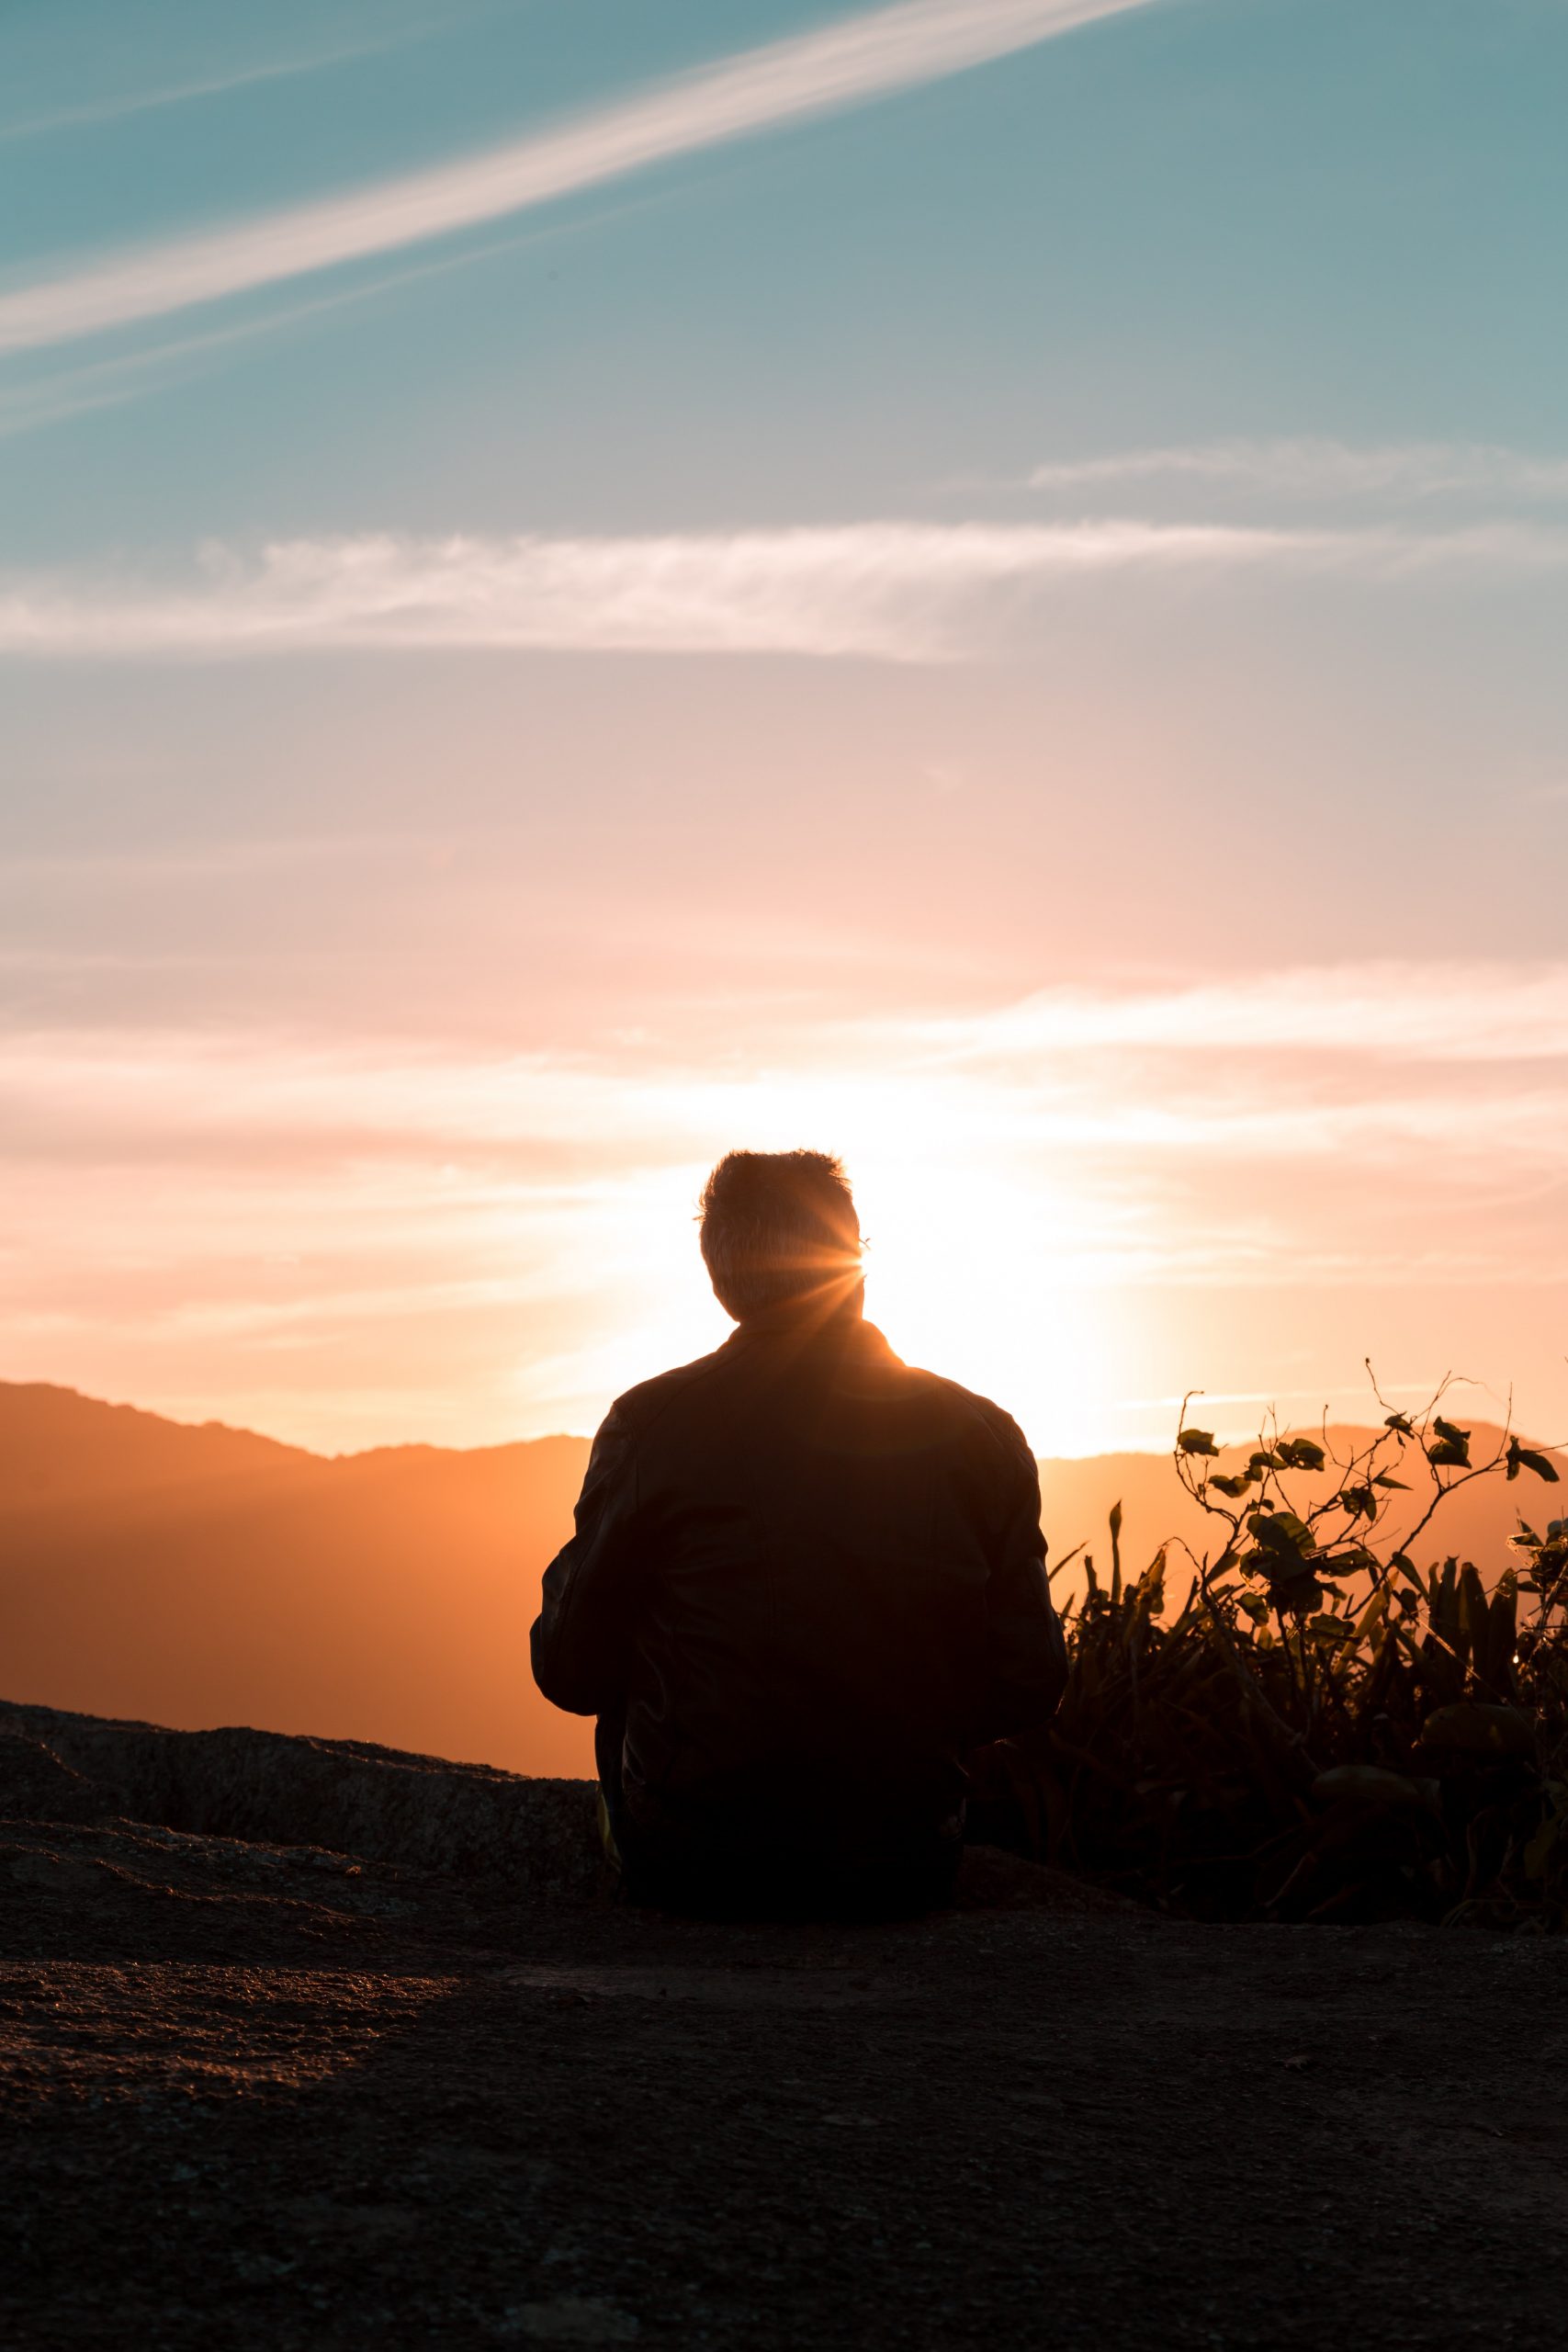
106, 383
850, 63
1422, 1012
890, 591
1237, 1056
332, 1222
1324, 468
131, 103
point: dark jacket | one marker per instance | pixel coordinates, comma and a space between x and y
807, 1578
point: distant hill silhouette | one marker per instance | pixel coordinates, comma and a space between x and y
206, 1576
199, 1575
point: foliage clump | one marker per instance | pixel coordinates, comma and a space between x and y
1323, 1729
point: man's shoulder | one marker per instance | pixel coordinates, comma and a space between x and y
968, 1408
638, 1408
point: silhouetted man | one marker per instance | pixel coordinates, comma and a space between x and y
804, 1579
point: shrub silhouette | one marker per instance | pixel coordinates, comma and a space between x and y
1323, 1730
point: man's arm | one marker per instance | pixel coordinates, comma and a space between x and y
1026, 1658
581, 1641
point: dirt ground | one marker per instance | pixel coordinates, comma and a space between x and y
413, 2077
266, 2097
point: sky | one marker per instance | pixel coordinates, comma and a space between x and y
977, 584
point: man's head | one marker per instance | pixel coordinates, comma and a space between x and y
780, 1227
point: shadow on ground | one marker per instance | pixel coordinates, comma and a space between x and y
304, 2044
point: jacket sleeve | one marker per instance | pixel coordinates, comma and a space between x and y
1026, 1659
581, 1637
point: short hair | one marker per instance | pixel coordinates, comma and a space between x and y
777, 1226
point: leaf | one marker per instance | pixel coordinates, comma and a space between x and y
1383, 1479
1197, 1441
1359, 1502
1540, 1463
1373, 1614
1301, 1453
1229, 1486
1282, 1531
1369, 1784
1331, 1629
1400, 1424
1473, 1728
1449, 1454
1541, 1851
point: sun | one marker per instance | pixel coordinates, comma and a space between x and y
967, 1274
978, 1264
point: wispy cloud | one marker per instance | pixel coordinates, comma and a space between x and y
124, 105
1323, 469
1237, 1063
848, 63
893, 591
376, 1206
125, 375
1419, 1012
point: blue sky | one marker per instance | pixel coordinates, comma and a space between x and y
1191, 222
1085, 526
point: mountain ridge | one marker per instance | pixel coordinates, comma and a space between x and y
196, 1575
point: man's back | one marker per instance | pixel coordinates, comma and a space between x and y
804, 1579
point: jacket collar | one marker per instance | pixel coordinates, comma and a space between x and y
844, 1325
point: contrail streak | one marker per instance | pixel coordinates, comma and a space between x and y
849, 64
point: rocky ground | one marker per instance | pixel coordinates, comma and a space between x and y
308, 2044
